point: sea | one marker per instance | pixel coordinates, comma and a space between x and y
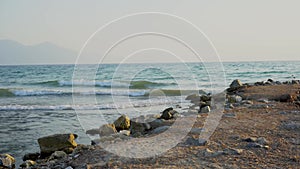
41, 100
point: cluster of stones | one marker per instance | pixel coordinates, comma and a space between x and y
125, 128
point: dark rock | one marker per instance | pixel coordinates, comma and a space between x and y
28, 164
168, 113
107, 129
250, 139
259, 83
262, 141
270, 80
229, 115
137, 128
234, 99
205, 98
58, 155
57, 142
236, 84
31, 156
285, 98
295, 82
7, 161
254, 145
92, 132
159, 129
122, 123
195, 142
205, 109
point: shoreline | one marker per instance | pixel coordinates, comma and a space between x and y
259, 128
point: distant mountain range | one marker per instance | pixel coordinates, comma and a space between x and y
12, 52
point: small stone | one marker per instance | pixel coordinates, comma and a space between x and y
122, 123
262, 141
229, 115
107, 129
7, 160
125, 132
159, 129
205, 109
58, 155
236, 84
254, 145
234, 99
247, 102
31, 156
205, 98
197, 130
28, 164
69, 167
285, 98
195, 142
233, 151
263, 100
250, 139
93, 131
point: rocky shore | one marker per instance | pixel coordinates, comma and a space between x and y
259, 128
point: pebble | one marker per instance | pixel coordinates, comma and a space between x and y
205, 109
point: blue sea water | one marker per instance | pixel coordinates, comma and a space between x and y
39, 100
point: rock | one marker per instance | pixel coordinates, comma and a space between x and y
195, 142
209, 153
92, 131
205, 98
57, 142
122, 123
263, 100
247, 102
28, 164
31, 156
58, 155
156, 123
236, 84
7, 161
259, 83
285, 98
254, 145
205, 109
295, 82
168, 113
270, 80
250, 139
107, 129
234, 99
233, 151
125, 132
262, 141
69, 167
291, 125
159, 129
229, 115
197, 130
137, 128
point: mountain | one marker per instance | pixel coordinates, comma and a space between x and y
12, 52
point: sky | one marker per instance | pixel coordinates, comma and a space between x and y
238, 30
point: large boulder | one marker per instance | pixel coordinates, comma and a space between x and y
57, 142
122, 123
7, 161
107, 129
236, 84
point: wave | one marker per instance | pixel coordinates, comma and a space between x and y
143, 84
109, 106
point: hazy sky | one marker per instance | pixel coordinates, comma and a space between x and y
239, 30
